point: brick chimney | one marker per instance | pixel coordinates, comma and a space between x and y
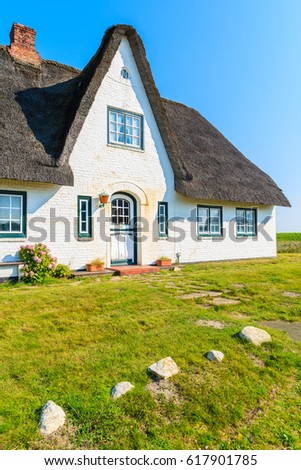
22, 45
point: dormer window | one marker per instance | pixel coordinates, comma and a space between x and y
125, 128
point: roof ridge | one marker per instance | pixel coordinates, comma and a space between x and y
61, 65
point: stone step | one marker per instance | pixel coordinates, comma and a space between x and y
131, 270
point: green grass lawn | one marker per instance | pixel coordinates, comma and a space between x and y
72, 341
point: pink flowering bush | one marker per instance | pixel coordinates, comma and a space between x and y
39, 264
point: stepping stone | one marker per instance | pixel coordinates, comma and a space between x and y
120, 389
238, 286
164, 368
291, 294
254, 335
214, 323
222, 301
165, 388
202, 293
215, 355
52, 418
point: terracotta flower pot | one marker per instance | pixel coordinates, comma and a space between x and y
103, 198
94, 268
163, 262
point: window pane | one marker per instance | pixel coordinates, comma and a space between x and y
136, 132
113, 126
203, 219
113, 116
4, 213
16, 201
113, 137
4, 201
136, 142
16, 214
84, 226
120, 138
4, 226
215, 221
137, 122
241, 222
120, 118
83, 205
129, 130
15, 226
129, 139
129, 120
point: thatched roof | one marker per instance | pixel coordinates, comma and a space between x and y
44, 108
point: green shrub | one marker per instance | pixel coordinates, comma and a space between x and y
62, 270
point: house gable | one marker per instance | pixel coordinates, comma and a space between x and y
111, 162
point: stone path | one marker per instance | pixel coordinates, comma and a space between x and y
293, 329
213, 323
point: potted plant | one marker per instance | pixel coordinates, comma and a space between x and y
163, 261
95, 265
103, 199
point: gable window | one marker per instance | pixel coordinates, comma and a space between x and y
163, 219
84, 216
125, 128
246, 222
12, 214
209, 221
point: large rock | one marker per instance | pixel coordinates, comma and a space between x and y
52, 418
120, 389
254, 335
215, 356
164, 368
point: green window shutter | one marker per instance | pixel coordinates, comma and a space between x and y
84, 211
163, 219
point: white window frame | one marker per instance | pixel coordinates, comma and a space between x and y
21, 220
118, 129
205, 228
245, 228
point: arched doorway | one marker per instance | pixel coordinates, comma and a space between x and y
123, 229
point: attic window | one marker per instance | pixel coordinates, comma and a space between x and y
125, 128
125, 73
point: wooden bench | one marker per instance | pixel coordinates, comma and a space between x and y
10, 270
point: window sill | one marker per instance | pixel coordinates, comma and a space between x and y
13, 239
162, 238
247, 236
84, 239
200, 237
126, 147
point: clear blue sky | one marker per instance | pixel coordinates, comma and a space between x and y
238, 62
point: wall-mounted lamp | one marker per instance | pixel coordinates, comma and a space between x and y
103, 199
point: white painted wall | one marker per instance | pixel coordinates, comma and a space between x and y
146, 174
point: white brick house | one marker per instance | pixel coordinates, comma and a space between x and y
176, 186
